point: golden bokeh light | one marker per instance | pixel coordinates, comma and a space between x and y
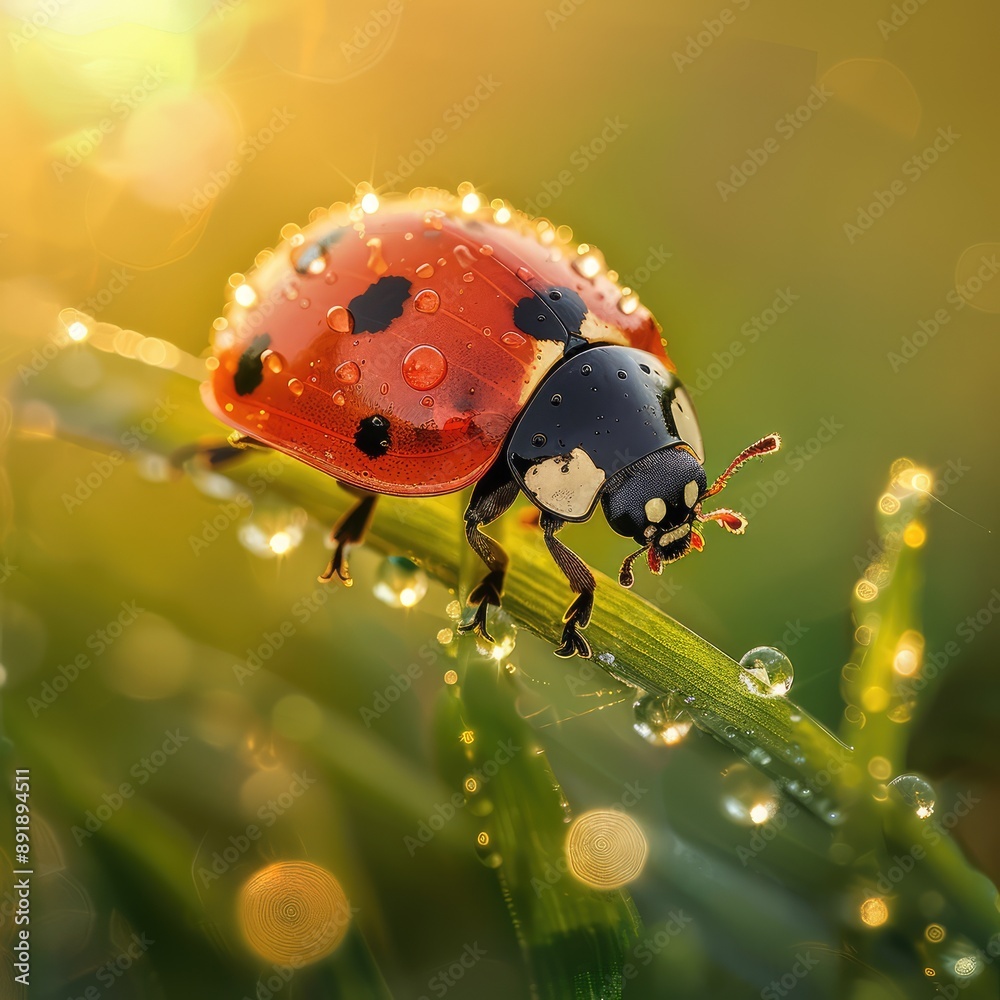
606, 849
293, 913
874, 912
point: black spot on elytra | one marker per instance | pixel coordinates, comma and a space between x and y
379, 304
372, 436
550, 315
250, 369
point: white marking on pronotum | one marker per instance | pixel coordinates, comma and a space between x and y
672, 536
566, 484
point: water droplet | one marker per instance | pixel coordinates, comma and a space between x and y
628, 303
445, 635
524, 274
304, 303
425, 271
274, 362
330, 277
427, 401
767, 671
587, 265
759, 756
384, 388
348, 372
424, 367
295, 387
400, 583
464, 256
486, 250
340, 320
661, 719
468, 276
376, 261
512, 339
504, 633
338, 397
434, 219
556, 399
917, 793
427, 301
749, 798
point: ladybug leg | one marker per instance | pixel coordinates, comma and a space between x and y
349, 530
581, 580
493, 494
216, 454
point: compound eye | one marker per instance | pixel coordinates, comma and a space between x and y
656, 510
686, 422
691, 492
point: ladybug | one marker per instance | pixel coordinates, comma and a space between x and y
419, 345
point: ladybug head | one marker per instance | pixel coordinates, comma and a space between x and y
657, 501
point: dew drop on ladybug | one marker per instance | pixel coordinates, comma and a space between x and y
427, 301
424, 367
348, 372
340, 319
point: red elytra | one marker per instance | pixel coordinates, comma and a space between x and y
450, 370
424, 344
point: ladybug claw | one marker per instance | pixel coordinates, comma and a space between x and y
573, 644
478, 623
337, 567
577, 617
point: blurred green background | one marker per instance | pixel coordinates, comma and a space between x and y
805, 196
